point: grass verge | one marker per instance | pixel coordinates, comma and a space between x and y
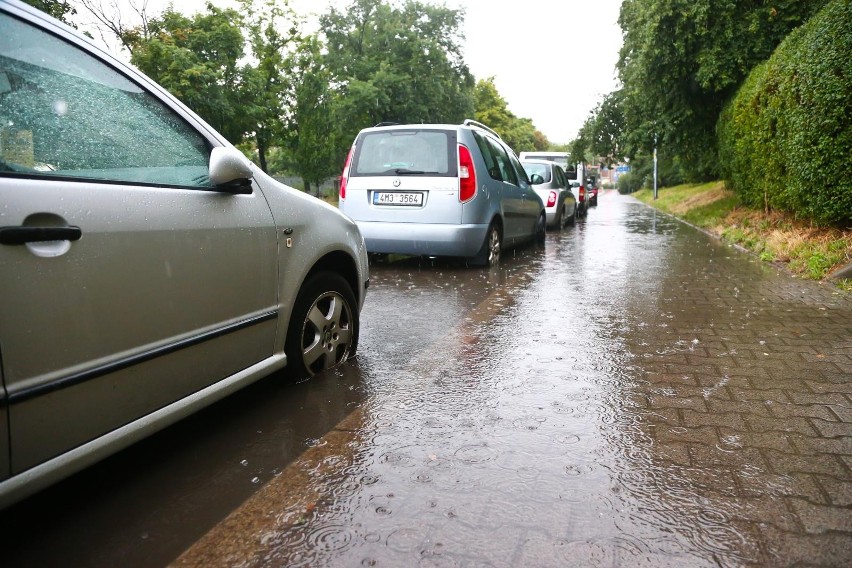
807, 251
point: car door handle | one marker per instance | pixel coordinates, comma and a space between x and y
23, 235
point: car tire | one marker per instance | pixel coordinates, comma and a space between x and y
572, 220
540, 229
489, 254
323, 330
563, 216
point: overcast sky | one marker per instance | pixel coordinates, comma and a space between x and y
552, 60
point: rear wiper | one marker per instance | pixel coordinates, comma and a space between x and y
404, 172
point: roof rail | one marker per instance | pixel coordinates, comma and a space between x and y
471, 122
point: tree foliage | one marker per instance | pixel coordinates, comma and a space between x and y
314, 139
599, 140
397, 63
267, 94
298, 101
683, 59
491, 109
785, 138
59, 9
196, 59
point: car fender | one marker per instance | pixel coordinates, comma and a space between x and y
306, 232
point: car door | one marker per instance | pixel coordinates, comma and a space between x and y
512, 196
128, 281
561, 182
530, 201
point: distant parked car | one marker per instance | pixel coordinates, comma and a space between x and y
579, 191
561, 158
592, 193
148, 268
439, 190
559, 203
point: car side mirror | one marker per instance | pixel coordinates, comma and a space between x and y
536, 179
230, 170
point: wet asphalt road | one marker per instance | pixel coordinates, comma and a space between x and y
634, 393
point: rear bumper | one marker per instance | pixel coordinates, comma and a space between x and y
550, 216
422, 239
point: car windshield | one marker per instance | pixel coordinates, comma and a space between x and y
404, 152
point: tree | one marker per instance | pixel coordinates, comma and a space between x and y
492, 110
267, 96
314, 138
683, 59
59, 9
396, 63
607, 131
196, 59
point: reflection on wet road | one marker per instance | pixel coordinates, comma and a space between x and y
635, 394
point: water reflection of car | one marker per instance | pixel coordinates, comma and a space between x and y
149, 269
439, 190
560, 205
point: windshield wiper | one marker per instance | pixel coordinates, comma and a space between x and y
404, 172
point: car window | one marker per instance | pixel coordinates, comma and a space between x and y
64, 113
522, 174
504, 165
488, 156
540, 169
560, 176
396, 152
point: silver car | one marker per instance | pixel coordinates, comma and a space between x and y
439, 190
560, 204
147, 268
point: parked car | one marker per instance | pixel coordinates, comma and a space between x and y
148, 269
592, 193
560, 205
561, 158
439, 190
579, 191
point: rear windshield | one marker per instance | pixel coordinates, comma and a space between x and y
540, 169
559, 158
406, 152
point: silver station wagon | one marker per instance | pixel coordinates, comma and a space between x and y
147, 268
439, 190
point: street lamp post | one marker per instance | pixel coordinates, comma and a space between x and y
655, 165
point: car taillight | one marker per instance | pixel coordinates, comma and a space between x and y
467, 175
344, 177
582, 193
551, 199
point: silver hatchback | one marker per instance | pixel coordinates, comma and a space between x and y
439, 190
560, 204
147, 268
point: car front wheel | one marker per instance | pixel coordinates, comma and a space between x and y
323, 331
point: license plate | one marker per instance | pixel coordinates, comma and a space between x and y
397, 198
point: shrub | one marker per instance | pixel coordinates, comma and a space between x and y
629, 182
785, 138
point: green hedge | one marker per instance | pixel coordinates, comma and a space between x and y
785, 140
